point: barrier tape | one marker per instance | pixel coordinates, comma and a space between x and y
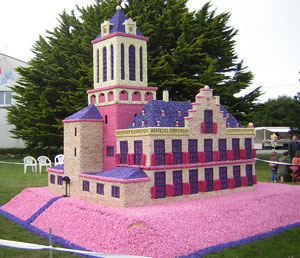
22, 245
14, 163
276, 162
268, 161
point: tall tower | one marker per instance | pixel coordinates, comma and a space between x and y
120, 78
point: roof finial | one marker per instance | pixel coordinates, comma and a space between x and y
118, 6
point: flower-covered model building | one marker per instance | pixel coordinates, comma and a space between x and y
128, 149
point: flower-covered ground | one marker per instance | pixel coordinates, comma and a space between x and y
166, 230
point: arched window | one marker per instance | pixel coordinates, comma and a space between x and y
132, 63
136, 96
148, 96
123, 95
102, 98
93, 99
112, 61
110, 96
98, 66
104, 64
122, 63
141, 64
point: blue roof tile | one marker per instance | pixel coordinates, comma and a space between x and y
152, 113
89, 112
122, 173
117, 20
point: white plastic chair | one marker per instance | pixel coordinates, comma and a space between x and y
59, 159
43, 162
30, 162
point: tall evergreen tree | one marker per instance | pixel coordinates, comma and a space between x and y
186, 51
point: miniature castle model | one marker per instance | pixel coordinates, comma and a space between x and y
128, 149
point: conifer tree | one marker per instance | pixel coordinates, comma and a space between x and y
186, 51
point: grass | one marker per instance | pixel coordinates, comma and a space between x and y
13, 181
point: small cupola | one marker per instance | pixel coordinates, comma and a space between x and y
105, 28
130, 26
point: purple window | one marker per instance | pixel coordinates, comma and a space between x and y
193, 179
112, 61
138, 151
177, 151
208, 150
177, 181
209, 179
59, 180
85, 186
122, 63
131, 63
100, 188
193, 150
236, 148
208, 120
223, 177
104, 64
160, 184
98, 66
141, 64
222, 149
249, 175
159, 150
115, 191
123, 152
52, 179
248, 148
110, 151
237, 176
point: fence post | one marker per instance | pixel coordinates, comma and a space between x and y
50, 242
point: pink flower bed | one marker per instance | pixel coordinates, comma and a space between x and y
165, 230
28, 202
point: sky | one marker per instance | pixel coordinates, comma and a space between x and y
268, 40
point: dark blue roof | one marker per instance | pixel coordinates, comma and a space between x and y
89, 112
152, 113
58, 167
117, 20
122, 173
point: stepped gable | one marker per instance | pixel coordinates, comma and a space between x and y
89, 112
117, 24
122, 173
152, 112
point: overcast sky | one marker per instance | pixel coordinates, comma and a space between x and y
268, 39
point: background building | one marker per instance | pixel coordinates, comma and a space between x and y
8, 77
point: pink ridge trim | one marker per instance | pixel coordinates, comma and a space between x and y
119, 34
195, 165
82, 120
59, 171
192, 110
188, 118
118, 86
200, 97
118, 180
196, 103
218, 105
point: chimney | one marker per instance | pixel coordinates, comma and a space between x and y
166, 96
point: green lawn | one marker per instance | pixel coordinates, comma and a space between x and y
13, 181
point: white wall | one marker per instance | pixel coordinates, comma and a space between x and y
8, 77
